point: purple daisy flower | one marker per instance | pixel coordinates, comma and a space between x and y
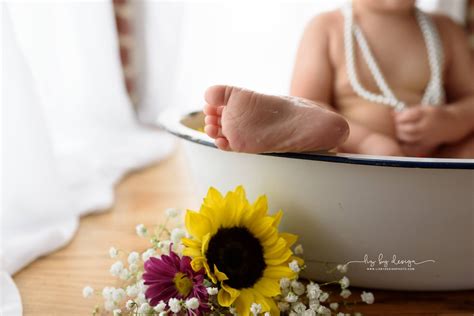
173, 277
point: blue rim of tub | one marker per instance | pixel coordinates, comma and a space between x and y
171, 121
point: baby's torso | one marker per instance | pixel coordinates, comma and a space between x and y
400, 52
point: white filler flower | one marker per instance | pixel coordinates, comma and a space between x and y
342, 268
177, 234
133, 257
294, 266
345, 293
141, 230
172, 212
192, 303
212, 290
344, 282
367, 297
175, 305
113, 252
87, 291
255, 309
116, 268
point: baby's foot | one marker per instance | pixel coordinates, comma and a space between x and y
246, 121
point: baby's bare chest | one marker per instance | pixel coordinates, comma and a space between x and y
402, 58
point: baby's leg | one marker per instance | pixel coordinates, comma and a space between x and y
463, 149
246, 121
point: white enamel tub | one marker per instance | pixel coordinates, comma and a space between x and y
355, 208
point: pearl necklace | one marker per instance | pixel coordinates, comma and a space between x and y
434, 93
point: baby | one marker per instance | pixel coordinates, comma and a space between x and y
402, 80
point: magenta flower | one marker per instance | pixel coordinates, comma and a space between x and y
173, 277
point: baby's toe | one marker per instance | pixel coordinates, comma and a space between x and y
212, 120
222, 143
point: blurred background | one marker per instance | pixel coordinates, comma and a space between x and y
84, 81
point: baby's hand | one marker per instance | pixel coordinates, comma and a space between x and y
424, 127
380, 145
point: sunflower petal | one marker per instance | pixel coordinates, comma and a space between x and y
221, 276
278, 272
278, 215
213, 198
191, 242
290, 238
192, 252
244, 301
197, 225
227, 295
205, 243
268, 287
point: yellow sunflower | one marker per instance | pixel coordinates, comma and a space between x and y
239, 245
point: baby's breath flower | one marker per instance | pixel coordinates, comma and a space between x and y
133, 257
141, 230
118, 294
192, 303
132, 290
212, 290
313, 290
309, 312
232, 311
147, 254
177, 234
133, 267
160, 307
87, 292
267, 314
107, 292
323, 310
164, 313
255, 309
117, 312
283, 306
291, 297
113, 252
125, 274
284, 283
345, 293
109, 305
334, 306
344, 282
130, 304
298, 307
116, 268
298, 287
314, 305
299, 250
367, 297
342, 268
144, 308
140, 298
172, 212
294, 266
175, 305
164, 245
323, 296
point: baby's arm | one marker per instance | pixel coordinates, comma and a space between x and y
428, 127
313, 79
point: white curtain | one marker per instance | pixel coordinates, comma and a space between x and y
189, 45
68, 130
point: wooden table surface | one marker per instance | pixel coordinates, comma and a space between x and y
52, 285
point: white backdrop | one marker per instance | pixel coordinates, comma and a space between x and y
68, 130
190, 45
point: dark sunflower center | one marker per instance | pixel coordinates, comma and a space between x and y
237, 253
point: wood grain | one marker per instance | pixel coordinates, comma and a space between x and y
52, 285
